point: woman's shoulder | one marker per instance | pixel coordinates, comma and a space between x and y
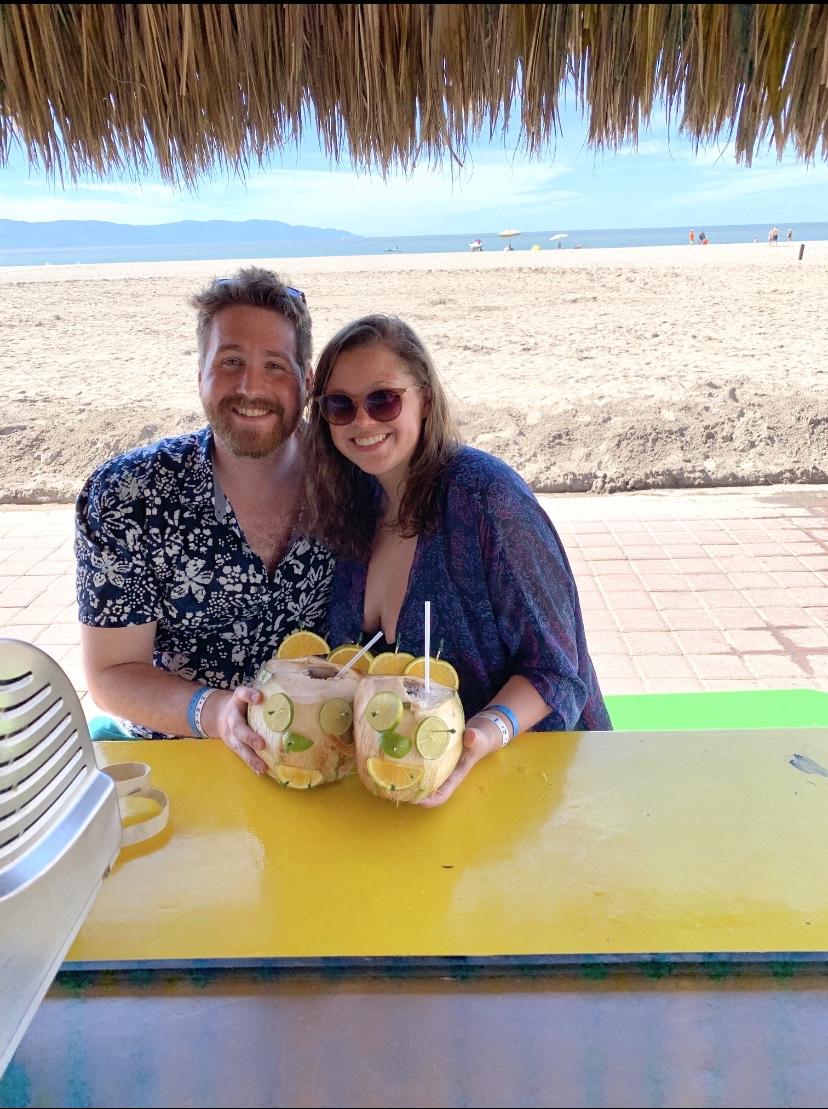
477, 473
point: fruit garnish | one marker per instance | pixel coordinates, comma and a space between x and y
390, 663
296, 742
294, 777
336, 716
392, 776
432, 737
384, 711
301, 644
395, 745
278, 712
342, 655
439, 671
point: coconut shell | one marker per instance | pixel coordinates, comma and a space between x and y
368, 740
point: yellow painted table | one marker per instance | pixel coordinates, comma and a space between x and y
287, 932
590, 844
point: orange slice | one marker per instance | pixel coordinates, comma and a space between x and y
301, 644
342, 655
392, 776
390, 663
439, 671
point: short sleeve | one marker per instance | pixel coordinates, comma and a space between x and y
116, 585
534, 598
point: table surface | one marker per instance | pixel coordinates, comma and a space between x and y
583, 845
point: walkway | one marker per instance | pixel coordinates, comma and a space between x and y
681, 590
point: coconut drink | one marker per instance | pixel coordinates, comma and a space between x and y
306, 720
408, 735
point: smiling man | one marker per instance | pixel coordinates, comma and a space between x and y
191, 564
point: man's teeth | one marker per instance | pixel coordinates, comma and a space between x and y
369, 440
250, 411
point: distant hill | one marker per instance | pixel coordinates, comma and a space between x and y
21, 235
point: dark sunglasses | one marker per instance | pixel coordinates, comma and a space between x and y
383, 405
297, 294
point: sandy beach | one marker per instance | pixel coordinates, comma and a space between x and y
593, 370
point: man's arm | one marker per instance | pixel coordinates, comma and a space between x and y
122, 680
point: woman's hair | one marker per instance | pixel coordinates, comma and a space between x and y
341, 499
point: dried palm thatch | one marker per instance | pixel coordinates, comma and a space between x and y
86, 88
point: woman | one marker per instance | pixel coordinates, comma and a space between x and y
413, 516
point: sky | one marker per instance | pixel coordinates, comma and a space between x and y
661, 184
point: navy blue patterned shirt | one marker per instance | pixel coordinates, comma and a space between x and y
503, 598
155, 540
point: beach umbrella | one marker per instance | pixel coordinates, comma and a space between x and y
560, 235
508, 233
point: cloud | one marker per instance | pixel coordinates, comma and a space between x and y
743, 183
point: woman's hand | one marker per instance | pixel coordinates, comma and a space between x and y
225, 717
480, 738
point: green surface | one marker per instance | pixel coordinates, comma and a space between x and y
750, 708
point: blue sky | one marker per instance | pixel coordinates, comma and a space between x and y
662, 184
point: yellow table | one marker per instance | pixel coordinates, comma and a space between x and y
623, 858
589, 845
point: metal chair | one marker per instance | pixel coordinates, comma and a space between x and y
60, 830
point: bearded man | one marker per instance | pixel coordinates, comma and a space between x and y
191, 565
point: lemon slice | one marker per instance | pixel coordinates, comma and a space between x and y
302, 644
439, 671
392, 776
340, 655
391, 663
384, 711
432, 737
294, 777
336, 716
278, 712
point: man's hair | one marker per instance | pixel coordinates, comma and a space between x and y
341, 499
254, 288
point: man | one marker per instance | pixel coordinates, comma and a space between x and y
191, 569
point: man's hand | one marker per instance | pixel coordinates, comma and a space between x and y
480, 738
225, 717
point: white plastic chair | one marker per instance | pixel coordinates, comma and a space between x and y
60, 830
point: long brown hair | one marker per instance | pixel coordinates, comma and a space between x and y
342, 501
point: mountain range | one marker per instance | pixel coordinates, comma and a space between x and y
21, 235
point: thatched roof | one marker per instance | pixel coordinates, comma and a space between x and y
90, 87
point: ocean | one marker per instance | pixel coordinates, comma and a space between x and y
407, 244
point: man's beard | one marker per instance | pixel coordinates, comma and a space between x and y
250, 442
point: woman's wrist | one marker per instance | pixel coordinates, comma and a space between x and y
494, 724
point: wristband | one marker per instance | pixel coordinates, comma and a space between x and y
499, 723
194, 710
510, 716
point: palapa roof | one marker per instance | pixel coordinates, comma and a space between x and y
86, 88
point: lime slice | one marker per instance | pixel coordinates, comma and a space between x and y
395, 745
278, 712
393, 777
296, 742
384, 711
336, 716
294, 777
432, 737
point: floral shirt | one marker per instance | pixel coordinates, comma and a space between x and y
155, 540
503, 598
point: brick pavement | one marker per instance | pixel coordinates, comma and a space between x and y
681, 590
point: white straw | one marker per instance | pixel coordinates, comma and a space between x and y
427, 641
358, 656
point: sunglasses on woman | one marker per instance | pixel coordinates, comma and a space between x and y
383, 405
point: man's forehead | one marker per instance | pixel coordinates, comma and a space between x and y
240, 324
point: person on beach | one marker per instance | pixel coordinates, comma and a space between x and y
789, 236
692, 236
190, 567
413, 516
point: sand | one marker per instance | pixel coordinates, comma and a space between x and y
601, 370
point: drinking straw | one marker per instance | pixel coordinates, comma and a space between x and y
427, 642
358, 656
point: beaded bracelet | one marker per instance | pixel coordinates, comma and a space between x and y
195, 708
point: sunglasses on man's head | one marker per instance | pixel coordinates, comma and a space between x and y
383, 405
297, 294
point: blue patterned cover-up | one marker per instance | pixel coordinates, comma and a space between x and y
155, 540
503, 598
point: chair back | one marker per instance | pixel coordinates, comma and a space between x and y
60, 830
